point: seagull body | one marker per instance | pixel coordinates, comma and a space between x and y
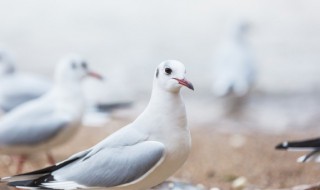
50, 120
136, 157
17, 88
311, 145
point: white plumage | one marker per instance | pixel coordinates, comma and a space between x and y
50, 120
138, 156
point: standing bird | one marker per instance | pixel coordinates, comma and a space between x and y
17, 88
312, 145
138, 156
50, 120
233, 70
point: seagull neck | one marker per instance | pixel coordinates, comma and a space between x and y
68, 86
166, 101
68, 91
159, 93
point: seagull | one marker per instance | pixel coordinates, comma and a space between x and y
233, 67
103, 102
312, 145
138, 156
17, 88
50, 120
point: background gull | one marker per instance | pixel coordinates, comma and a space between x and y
138, 156
51, 120
106, 97
17, 88
234, 72
311, 145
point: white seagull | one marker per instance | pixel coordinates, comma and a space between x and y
50, 120
234, 71
311, 145
138, 156
17, 88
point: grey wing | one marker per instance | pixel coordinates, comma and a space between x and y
110, 167
31, 127
11, 102
19, 89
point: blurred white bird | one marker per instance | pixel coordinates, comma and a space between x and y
17, 88
103, 99
138, 156
50, 120
233, 66
233, 71
311, 145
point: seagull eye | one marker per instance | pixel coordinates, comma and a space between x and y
73, 65
168, 71
84, 65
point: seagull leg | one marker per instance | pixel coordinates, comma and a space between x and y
50, 158
11, 160
21, 160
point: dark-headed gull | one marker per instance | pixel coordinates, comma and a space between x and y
138, 156
311, 145
17, 88
50, 120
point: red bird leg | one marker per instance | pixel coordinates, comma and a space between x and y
50, 159
21, 160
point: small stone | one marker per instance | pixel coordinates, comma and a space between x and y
200, 186
239, 183
171, 185
237, 141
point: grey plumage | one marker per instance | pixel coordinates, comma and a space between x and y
17, 88
113, 166
109, 163
32, 128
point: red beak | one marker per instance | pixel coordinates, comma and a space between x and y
185, 83
95, 75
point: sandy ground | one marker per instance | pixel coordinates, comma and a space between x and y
217, 158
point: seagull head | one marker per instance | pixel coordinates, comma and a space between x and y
170, 75
6, 63
74, 68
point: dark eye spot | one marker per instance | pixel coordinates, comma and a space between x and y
168, 71
73, 65
157, 73
84, 65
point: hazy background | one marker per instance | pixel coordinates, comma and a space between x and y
127, 39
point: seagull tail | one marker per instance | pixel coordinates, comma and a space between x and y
312, 156
34, 180
310, 144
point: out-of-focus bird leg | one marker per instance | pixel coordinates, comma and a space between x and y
21, 160
50, 158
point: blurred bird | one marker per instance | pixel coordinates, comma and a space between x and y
234, 72
17, 88
50, 120
312, 145
138, 156
105, 98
